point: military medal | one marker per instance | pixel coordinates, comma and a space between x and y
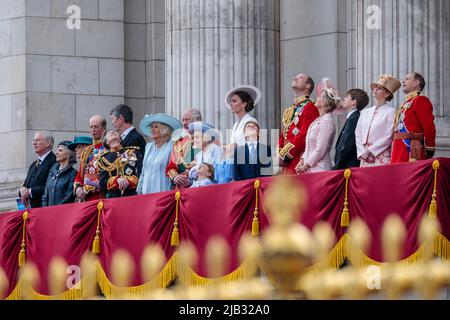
295, 131
401, 124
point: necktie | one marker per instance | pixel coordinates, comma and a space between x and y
252, 153
38, 163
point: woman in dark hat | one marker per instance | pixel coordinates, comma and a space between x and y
59, 187
79, 144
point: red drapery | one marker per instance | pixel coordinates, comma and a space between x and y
225, 210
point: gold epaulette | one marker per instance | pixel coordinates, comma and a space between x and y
86, 152
131, 150
287, 116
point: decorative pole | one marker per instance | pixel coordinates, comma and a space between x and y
23, 253
255, 223
345, 217
175, 240
433, 206
96, 243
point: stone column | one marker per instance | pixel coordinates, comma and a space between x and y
316, 39
211, 46
414, 35
144, 56
54, 78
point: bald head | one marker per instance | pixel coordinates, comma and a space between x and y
97, 126
303, 84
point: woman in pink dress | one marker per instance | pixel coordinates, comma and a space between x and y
321, 133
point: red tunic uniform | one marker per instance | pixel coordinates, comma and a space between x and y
182, 157
88, 176
414, 124
296, 122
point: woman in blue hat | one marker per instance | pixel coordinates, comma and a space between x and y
204, 139
159, 127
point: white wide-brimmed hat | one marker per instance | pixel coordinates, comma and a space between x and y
172, 122
252, 91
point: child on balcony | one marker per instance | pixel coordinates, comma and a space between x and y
205, 173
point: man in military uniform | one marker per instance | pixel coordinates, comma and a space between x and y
414, 129
119, 167
87, 182
183, 153
296, 122
122, 122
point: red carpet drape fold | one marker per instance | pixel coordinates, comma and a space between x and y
223, 210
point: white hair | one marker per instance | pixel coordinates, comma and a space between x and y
196, 114
47, 137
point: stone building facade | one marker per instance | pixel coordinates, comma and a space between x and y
167, 55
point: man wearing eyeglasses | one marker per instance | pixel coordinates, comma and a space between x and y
33, 188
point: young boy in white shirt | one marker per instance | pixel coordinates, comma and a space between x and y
205, 173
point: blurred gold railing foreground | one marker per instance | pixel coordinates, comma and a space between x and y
287, 262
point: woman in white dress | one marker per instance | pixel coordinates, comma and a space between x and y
375, 130
241, 101
153, 178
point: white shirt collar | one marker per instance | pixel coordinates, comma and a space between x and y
42, 158
126, 132
350, 113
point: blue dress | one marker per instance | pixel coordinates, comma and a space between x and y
153, 178
224, 172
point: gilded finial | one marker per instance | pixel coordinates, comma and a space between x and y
284, 201
436, 164
57, 276
122, 268
347, 173
217, 257
393, 236
3, 283
152, 262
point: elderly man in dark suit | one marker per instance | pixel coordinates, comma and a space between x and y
346, 155
33, 188
254, 159
122, 122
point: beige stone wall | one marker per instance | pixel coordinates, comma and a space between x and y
53, 78
13, 120
145, 56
